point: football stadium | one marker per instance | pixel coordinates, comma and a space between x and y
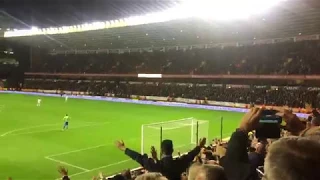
175, 89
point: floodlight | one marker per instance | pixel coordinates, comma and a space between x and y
107, 24
207, 9
226, 9
98, 25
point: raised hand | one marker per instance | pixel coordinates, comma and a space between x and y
120, 145
293, 124
154, 153
250, 120
63, 171
202, 142
101, 175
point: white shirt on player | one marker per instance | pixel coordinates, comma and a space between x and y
66, 98
39, 102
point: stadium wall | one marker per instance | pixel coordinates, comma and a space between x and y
148, 102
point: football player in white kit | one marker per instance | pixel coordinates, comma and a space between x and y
39, 102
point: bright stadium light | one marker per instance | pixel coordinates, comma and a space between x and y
107, 24
220, 10
226, 9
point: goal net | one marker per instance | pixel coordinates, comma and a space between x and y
183, 132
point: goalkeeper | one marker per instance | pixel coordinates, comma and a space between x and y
170, 167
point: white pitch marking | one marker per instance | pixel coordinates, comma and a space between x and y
78, 150
65, 163
109, 165
83, 149
113, 164
91, 124
21, 129
32, 127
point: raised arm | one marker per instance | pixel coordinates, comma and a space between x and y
237, 146
188, 158
148, 163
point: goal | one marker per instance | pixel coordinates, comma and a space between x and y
183, 132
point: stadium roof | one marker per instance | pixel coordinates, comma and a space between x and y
292, 18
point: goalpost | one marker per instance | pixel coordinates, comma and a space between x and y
184, 133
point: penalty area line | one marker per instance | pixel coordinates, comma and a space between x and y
68, 164
32, 127
94, 169
13, 132
83, 149
78, 150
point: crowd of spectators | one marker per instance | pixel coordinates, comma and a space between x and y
246, 94
279, 58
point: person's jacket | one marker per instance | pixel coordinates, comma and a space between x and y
236, 162
256, 159
170, 167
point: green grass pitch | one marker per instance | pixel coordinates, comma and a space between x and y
33, 145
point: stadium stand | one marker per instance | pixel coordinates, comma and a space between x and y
297, 97
280, 58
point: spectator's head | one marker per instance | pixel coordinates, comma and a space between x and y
311, 133
293, 158
151, 176
206, 172
167, 147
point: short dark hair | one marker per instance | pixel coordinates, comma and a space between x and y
167, 147
65, 178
